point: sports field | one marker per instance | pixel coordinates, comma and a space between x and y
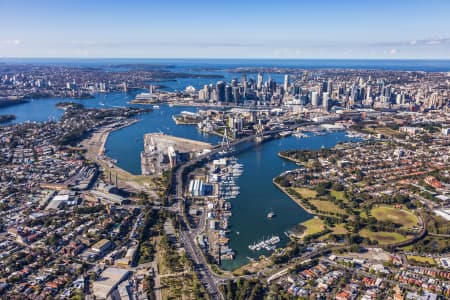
383, 237
306, 193
395, 215
326, 206
421, 259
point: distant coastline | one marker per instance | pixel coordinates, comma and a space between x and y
398, 64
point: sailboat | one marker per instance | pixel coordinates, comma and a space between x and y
270, 215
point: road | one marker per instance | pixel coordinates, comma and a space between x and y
200, 265
177, 177
187, 236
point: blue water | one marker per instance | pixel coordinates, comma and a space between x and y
258, 195
44, 109
126, 144
431, 65
261, 164
221, 66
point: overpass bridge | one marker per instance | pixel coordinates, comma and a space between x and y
177, 178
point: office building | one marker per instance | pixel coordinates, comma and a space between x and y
314, 99
220, 91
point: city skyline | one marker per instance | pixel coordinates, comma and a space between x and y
170, 149
202, 29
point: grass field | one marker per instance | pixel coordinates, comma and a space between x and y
363, 214
339, 195
383, 238
312, 226
387, 131
326, 206
408, 248
383, 130
391, 214
339, 229
306, 193
421, 259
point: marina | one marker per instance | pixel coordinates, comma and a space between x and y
222, 175
267, 244
249, 195
228, 189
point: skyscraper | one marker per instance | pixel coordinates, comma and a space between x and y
236, 94
244, 81
325, 97
330, 87
220, 91
314, 99
228, 93
259, 82
368, 93
286, 83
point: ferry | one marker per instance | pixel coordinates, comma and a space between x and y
155, 106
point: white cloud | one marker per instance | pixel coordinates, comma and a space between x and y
433, 42
393, 51
10, 42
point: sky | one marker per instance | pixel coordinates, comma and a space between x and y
225, 29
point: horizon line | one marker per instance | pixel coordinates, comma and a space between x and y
228, 58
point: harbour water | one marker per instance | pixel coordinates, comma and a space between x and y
258, 196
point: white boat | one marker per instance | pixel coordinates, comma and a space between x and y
267, 244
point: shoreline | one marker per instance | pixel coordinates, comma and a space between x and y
105, 135
299, 203
289, 158
406, 242
95, 151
